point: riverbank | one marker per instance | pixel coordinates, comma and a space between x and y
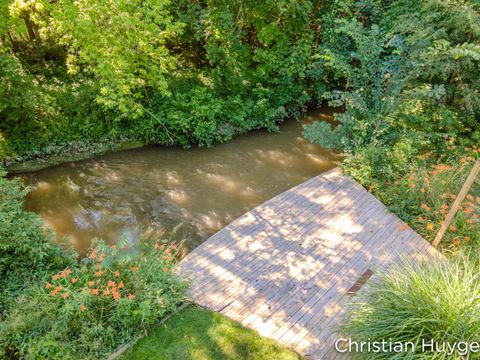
150, 190
72, 151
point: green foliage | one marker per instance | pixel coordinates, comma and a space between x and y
423, 196
86, 311
200, 334
168, 73
27, 249
410, 83
435, 301
122, 43
53, 306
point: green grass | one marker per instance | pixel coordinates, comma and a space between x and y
199, 334
437, 300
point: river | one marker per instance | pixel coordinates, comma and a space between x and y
148, 192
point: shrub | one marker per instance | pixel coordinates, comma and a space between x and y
424, 195
86, 311
438, 300
27, 249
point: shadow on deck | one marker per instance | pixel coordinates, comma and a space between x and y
287, 268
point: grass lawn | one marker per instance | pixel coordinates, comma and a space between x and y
199, 334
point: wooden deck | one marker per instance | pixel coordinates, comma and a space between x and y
287, 268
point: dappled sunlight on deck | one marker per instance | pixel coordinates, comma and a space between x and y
284, 269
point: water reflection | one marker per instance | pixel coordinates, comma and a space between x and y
147, 192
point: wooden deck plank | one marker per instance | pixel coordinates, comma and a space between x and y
280, 265
325, 320
340, 283
284, 268
328, 266
258, 227
292, 242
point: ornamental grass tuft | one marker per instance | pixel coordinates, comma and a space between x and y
437, 301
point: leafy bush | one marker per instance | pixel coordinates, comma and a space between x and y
165, 72
438, 301
410, 84
424, 194
27, 249
86, 311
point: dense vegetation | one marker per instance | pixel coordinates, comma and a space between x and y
410, 133
27, 251
79, 76
438, 301
53, 306
78, 73
411, 79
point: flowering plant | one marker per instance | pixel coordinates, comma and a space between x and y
424, 196
86, 311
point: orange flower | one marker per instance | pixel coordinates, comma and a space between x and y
469, 221
74, 280
91, 283
117, 273
116, 295
68, 271
165, 269
425, 207
420, 219
131, 296
94, 291
58, 288
48, 285
111, 283
134, 268
453, 197
98, 273
83, 308
477, 199
65, 295
467, 238
112, 247
120, 285
469, 197
55, 277
453, 228
54, 292
468, 210
429, 226
63, 274
106, 292
456, 242
422, 190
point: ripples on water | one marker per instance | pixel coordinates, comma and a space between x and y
148, 191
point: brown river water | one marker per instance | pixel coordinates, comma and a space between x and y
149, 191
